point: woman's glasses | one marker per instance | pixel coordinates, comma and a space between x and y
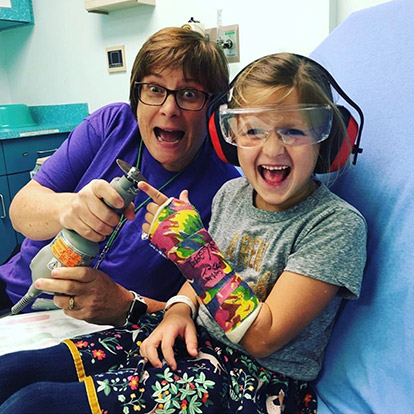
187, 99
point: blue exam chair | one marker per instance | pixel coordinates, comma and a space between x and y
369, 364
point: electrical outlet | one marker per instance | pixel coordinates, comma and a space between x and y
229, 41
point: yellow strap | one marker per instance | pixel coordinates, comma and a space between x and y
80, 370
92, 397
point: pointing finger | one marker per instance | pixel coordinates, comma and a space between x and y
158, 197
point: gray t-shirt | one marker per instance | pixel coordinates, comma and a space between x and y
323, 237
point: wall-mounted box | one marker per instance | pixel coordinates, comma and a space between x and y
116, 58
229, 41
106, 6
15, 13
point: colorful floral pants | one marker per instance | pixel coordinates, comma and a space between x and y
219, 380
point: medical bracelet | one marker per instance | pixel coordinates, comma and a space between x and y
182, 299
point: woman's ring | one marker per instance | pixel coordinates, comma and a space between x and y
71, 302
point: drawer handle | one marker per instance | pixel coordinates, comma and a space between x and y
4, 215
46, 151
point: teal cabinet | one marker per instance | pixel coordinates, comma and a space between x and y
17, 158
19, 14
7, 234
2, 163
21, 154
20, 147
16, 182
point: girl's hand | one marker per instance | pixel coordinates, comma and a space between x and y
177, 322
159, 199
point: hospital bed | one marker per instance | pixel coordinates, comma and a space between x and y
369, 364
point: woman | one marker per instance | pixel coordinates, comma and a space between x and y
174, 76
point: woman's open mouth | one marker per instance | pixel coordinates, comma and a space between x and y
274, 175
168, 136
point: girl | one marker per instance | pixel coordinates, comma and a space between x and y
281, 253
247, 332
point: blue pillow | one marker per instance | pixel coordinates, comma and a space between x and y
369, 363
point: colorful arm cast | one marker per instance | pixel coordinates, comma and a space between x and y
178, 232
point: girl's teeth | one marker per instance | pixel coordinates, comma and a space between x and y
276, 168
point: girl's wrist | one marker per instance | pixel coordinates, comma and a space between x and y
183, 300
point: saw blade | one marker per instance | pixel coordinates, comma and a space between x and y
131, 172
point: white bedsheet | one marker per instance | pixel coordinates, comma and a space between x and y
40, 330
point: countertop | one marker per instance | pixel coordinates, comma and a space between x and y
49, 119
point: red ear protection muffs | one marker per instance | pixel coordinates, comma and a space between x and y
334, 151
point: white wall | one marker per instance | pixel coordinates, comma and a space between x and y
346, 7
62, 59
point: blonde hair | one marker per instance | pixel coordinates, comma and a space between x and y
289, 72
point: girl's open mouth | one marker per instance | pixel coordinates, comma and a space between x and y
274, 175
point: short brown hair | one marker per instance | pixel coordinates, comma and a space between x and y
174, 48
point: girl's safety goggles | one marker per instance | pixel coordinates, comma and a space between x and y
294, 125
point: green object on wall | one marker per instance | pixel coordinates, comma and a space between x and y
19, 14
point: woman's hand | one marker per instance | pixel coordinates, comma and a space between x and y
89, 216
40, 213
96, 297
159, 199
177, 322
